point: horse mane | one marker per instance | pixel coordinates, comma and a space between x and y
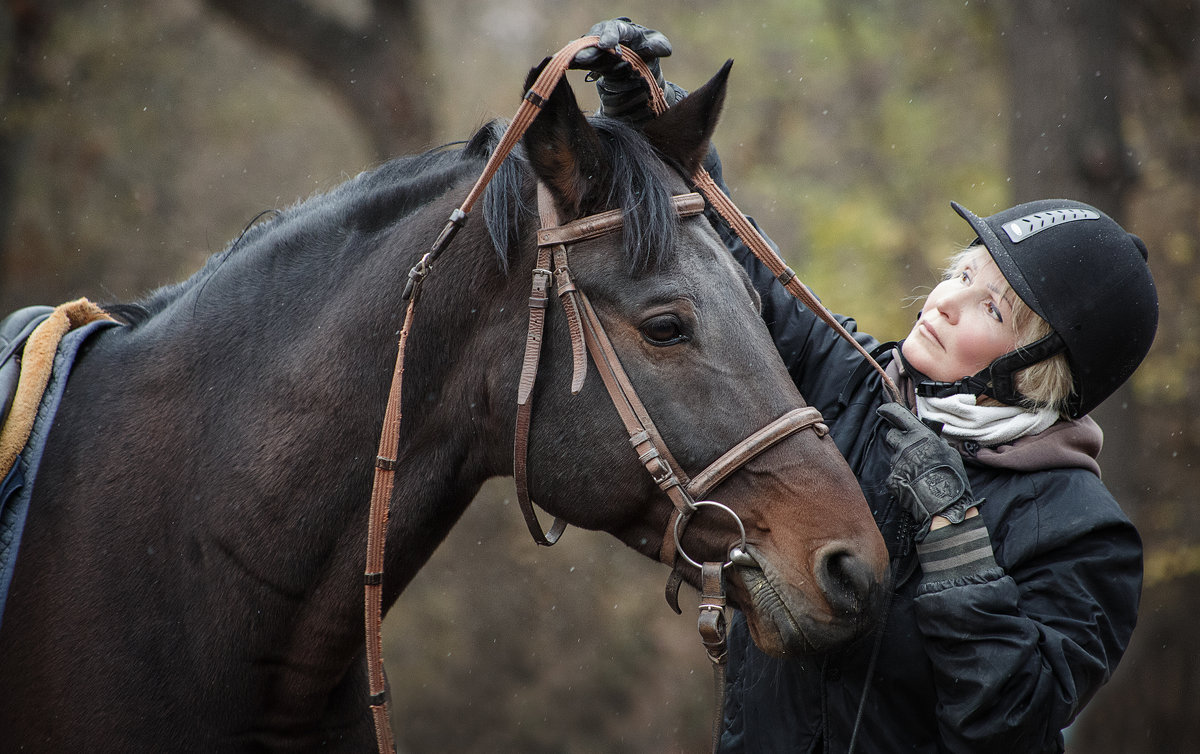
376, 200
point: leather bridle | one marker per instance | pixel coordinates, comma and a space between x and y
587, 333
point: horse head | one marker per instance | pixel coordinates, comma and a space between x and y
685, 323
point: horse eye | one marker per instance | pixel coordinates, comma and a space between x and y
663, 330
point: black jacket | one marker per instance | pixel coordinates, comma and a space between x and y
999, 662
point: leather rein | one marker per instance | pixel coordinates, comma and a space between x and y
587, 336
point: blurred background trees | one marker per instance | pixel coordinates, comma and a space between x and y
135, 141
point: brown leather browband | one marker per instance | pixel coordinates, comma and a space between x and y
594, 226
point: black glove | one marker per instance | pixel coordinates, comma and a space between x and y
623, 94
927, 475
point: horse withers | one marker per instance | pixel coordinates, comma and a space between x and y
190, 578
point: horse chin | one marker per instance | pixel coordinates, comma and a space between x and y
784, 622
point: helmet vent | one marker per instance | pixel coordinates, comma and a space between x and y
1020, 229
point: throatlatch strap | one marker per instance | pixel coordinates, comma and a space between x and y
539, 300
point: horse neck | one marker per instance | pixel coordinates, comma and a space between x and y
327, 358
265, 389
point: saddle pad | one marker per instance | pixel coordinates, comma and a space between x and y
14, 330
17, 488
37, 361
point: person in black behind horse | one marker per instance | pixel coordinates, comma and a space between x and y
1007, 616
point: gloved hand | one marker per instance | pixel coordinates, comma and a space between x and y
928, 477
623, 94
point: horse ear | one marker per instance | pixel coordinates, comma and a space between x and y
682, 133
565, 151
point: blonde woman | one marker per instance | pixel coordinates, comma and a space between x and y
1016, 574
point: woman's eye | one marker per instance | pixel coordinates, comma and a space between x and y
663, 330
995, 311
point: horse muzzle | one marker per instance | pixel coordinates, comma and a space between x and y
841, 602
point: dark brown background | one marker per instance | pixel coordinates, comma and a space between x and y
134, 142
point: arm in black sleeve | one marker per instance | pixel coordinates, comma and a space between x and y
1018, 652
818, 360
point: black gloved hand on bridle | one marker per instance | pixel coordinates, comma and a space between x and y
623, 94
927, 477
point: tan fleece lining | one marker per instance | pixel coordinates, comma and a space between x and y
36, 365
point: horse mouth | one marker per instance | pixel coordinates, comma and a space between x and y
785, 621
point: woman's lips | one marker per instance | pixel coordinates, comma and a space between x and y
928, 331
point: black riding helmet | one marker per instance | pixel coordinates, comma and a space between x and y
1081, 272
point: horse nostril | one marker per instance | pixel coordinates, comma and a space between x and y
846, 579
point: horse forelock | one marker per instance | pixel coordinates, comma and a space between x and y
638, 182
640, 185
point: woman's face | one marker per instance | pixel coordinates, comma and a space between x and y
965, 323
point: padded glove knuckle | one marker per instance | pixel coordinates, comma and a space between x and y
938, 488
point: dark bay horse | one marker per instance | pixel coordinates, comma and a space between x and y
191, 573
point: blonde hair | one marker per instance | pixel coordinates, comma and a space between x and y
1046, 384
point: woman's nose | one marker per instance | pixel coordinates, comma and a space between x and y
945, 303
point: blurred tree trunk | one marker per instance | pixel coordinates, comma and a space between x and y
1163, 33
377, 67
1063, 68
1150, 705
23, 27
1067, 141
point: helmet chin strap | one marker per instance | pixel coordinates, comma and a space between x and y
998, 380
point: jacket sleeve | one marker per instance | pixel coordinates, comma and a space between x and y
1018, 651
819, 360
